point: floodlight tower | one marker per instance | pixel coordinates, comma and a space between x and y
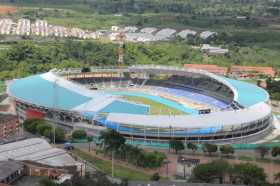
120, 38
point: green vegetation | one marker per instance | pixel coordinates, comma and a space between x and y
114, 143
40, 127
243, 173
177, 145
273, 87
155, 107
105, 166
79, 134
262, 150
192, 146
2, 87
209, 148
226, 149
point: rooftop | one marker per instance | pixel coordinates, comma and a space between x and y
9, 167
38, 150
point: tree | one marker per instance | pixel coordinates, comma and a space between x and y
209, 172
275, 151
59, 135
277, 177
210, 148
262, 150
112, 140
249, 174
227, 149
79, 134
42, 127
177, 145
155, 177
192, 146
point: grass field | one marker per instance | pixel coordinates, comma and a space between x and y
155, 107
105, 166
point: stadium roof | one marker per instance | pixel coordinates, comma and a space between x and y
49, 90
215, 119
248, 94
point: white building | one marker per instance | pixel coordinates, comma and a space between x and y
185, 33
213, 50
207, 34
148, 30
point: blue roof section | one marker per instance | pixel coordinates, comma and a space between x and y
158, 99
36, 90
125, 107
248, 94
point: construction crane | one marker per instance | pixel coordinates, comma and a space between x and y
120, 38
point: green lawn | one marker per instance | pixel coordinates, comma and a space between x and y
105, 166
155, 107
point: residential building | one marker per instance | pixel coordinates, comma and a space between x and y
251, 71
8, 124
210, 68
10, 171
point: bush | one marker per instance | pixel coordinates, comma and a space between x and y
79, 134
155, 177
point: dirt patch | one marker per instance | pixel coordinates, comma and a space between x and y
7, 9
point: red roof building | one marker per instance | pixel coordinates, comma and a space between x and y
250, 71
210, 68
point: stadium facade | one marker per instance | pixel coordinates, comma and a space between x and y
213, 108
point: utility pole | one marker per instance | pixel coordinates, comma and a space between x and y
113, 163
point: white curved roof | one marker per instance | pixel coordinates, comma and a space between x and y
215, 119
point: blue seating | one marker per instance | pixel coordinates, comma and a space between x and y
192, 95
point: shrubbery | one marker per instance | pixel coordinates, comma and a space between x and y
115, 143
40, 127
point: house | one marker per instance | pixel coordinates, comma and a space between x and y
9, 124
251, 71
185, 33
210, 68
10, 171
210, 50
207, 34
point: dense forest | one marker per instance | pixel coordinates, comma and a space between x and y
209, 7
28, 57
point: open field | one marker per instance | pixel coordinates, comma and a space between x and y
155, 108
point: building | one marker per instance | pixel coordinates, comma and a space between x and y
185, 166
173, 183
207, 34
38, 169
185, 33
8, 124
251, 71
148, 30
40, 156
210, 68
211, 50
246, 104
10, 171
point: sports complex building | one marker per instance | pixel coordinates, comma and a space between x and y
194, 105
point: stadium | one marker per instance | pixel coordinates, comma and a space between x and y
148, 103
